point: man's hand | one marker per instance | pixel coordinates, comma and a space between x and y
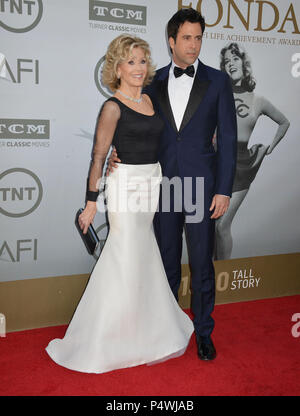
113, 158
220, 204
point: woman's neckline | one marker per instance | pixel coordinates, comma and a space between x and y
238, 89
142, 114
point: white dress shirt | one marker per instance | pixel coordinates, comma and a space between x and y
179, 90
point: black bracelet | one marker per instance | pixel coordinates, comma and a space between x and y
92, 196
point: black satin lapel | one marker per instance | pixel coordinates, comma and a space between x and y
164, 102
197, 93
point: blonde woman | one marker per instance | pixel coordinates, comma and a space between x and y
128, 314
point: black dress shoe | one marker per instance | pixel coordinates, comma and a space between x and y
206, 349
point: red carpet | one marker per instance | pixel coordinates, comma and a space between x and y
257, 355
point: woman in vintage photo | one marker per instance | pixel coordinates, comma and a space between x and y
249, 107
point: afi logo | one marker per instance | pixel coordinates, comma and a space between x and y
21, 66
16, 251
3, 72
296, 328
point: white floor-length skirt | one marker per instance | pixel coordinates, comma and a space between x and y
127, 315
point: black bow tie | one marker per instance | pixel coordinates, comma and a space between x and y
190, 71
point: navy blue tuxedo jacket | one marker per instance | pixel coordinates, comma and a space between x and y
189, 151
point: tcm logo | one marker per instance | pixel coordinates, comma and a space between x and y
20, 16
117, 12
97, 77
21, 66
21, 192
20, 250
11, 128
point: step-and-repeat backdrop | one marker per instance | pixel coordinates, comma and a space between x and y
51, 55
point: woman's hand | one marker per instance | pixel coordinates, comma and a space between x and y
87, 216
113, 158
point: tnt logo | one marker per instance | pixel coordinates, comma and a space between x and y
20, 16
20, 192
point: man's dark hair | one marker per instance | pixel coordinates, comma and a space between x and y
182, 16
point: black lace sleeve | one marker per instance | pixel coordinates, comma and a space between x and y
106, 127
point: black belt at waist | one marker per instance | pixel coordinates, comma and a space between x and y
138, 158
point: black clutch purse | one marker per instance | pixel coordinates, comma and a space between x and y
90, 239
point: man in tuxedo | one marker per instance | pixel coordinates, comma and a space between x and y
194, 100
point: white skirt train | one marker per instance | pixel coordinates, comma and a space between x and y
127, 315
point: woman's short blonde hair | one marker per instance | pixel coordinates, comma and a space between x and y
118, 51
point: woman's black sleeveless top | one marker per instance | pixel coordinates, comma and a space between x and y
137, 136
